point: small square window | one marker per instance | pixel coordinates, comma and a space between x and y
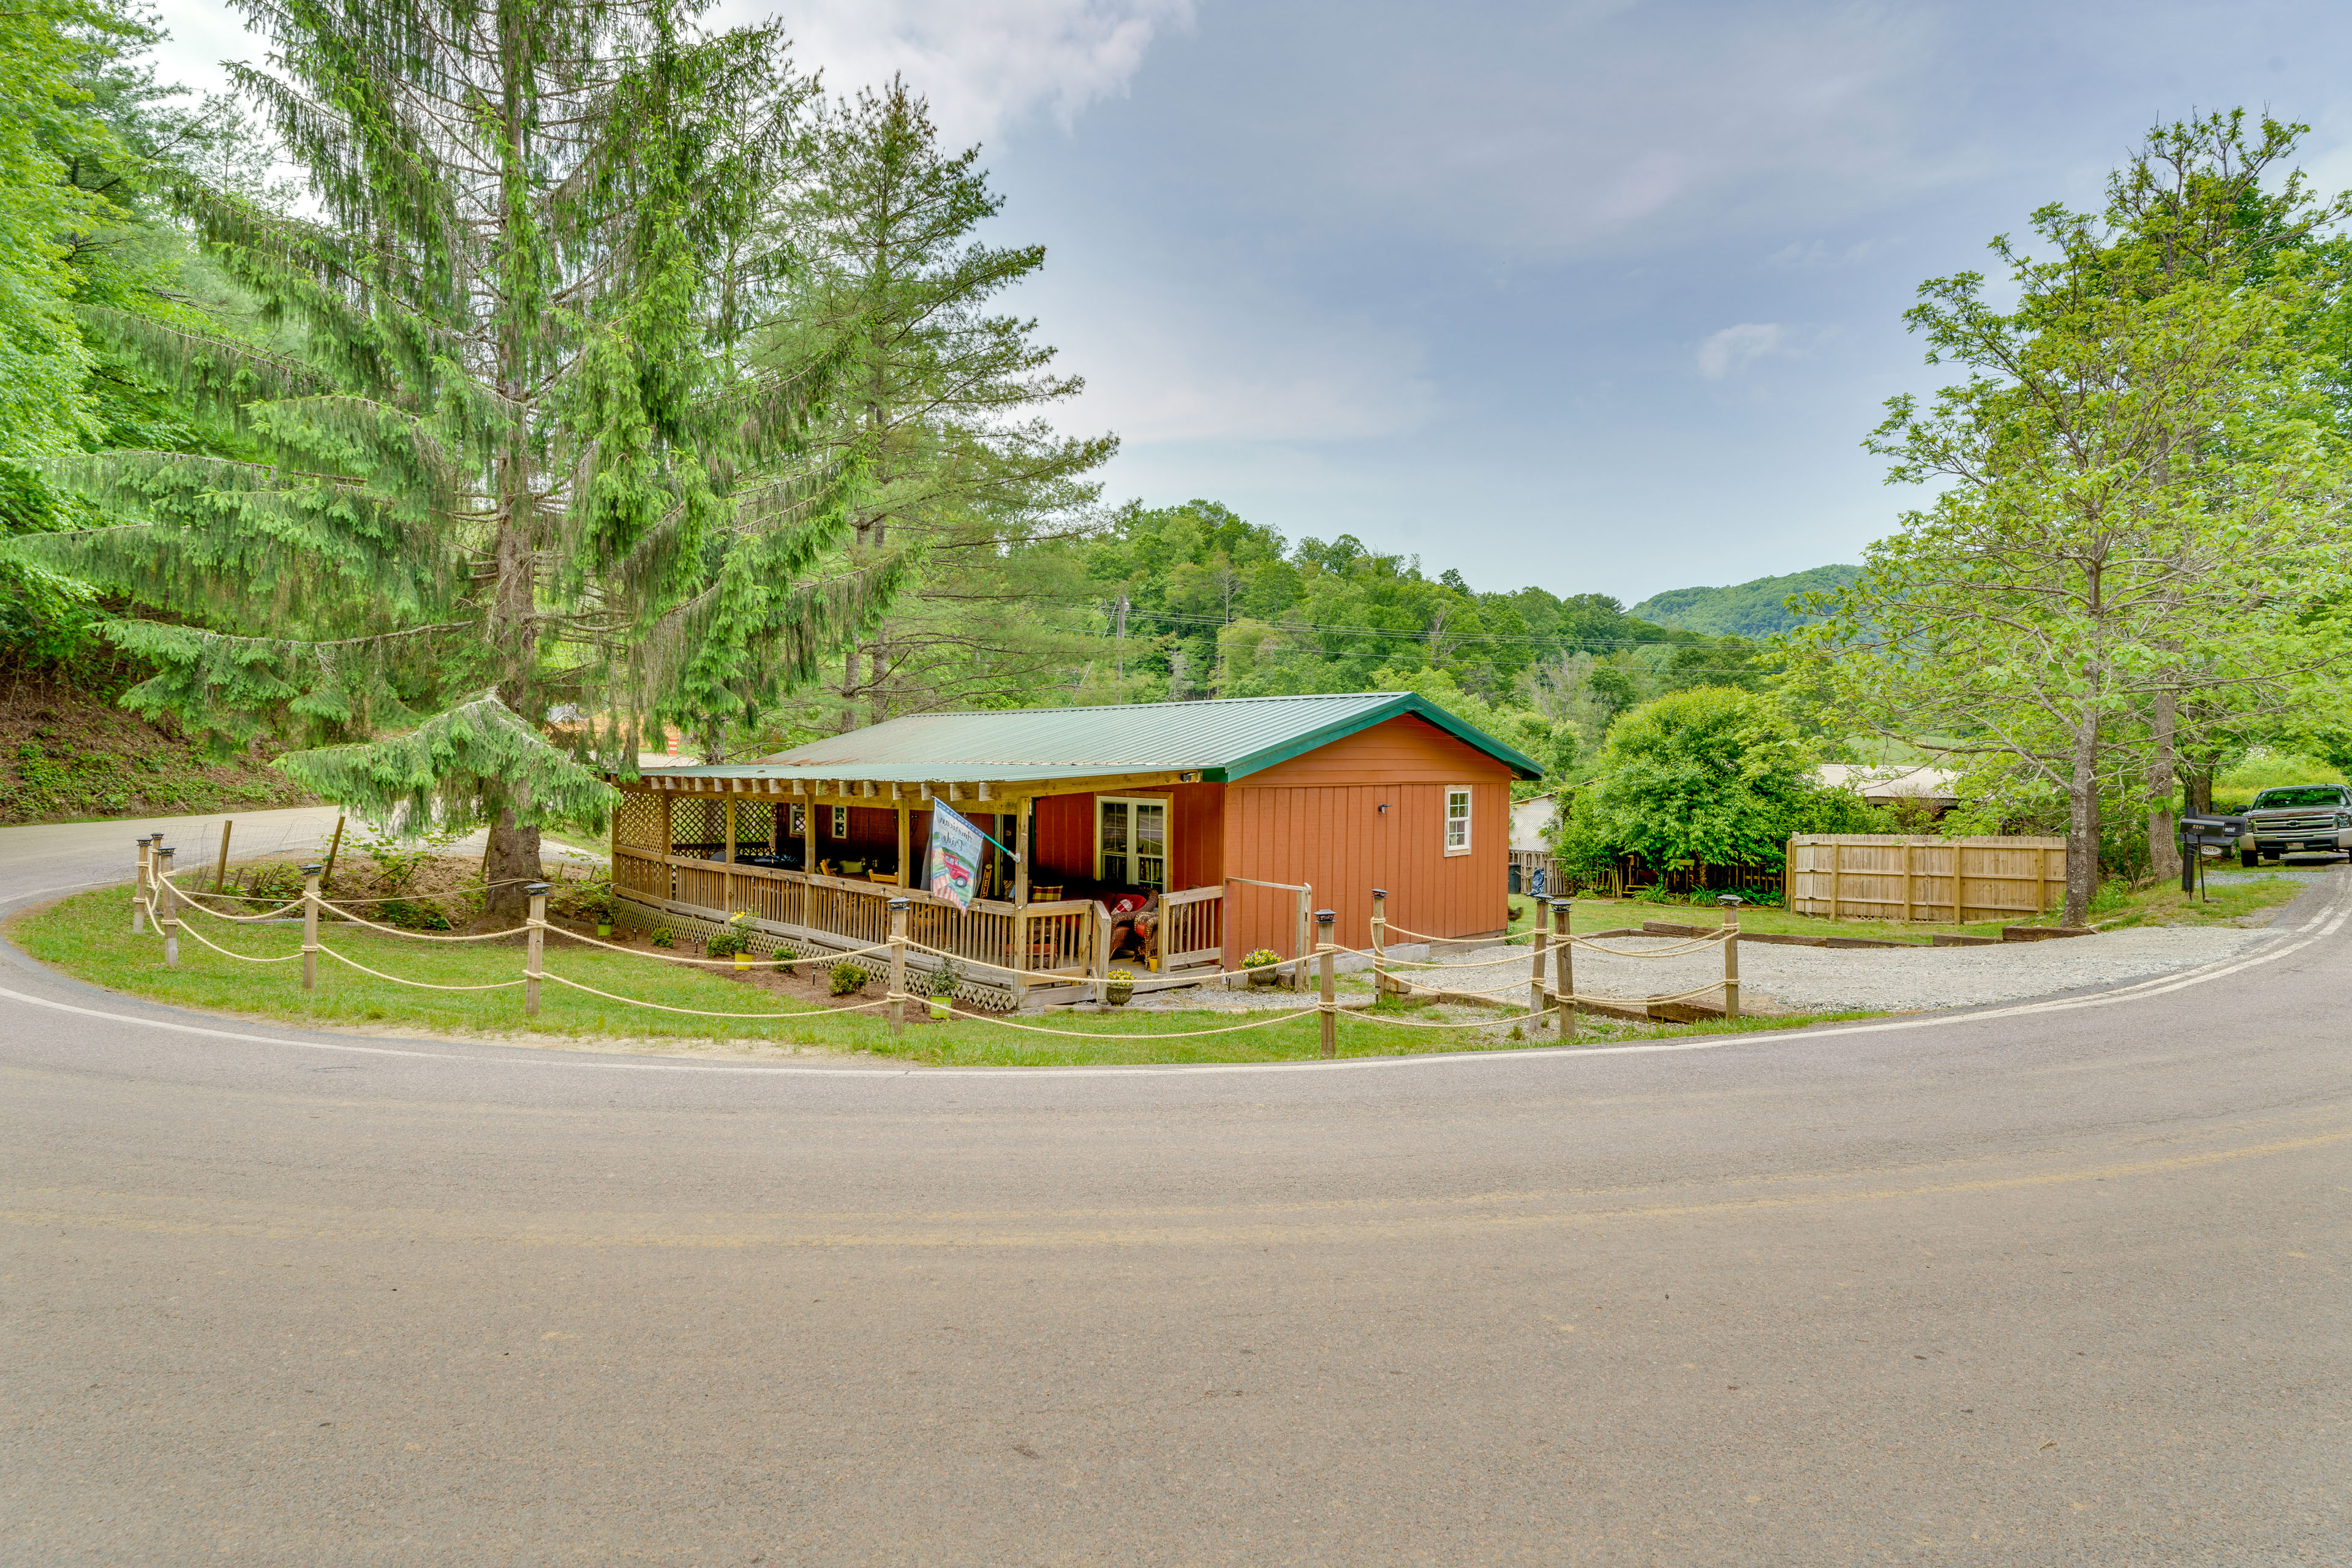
1458, 822
840, 821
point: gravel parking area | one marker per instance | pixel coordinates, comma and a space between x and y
1884, 980
1785, 979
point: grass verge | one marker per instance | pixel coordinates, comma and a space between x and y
87, 937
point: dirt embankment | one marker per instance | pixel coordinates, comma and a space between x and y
68, 756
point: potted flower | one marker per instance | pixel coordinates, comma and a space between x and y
732, 940
944, 981
1261, 966
1118, 987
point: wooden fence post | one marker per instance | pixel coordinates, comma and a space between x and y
1564, 997
1300, 943
1837, 868
1330, 1006
1730, 902
334, 848
1907, 880
167, 913
534, 947
1538, 939
139, 888
898, 908
220, 874
1379, 942
311, 927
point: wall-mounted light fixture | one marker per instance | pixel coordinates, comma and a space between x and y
1384, 805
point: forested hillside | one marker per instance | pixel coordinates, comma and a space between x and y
1196, 601
1754, 609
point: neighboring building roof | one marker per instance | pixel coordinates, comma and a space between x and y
1926, 782
1531, 823
1221, 739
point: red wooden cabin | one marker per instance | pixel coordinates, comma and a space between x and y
1231, 817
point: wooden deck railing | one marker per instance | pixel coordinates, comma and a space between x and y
1192, 927
1064, 939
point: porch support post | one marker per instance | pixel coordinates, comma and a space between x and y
729, 856
1021, 852
906, 845
1098, 958
1020, 902
808, 837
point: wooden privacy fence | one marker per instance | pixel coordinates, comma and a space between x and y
1956, 881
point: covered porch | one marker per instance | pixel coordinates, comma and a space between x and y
1107, 872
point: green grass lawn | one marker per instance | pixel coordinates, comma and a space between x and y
88, 937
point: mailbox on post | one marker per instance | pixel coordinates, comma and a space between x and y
2204, 838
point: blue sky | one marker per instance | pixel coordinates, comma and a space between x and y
1600, 297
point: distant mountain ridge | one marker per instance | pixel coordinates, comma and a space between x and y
1756, 609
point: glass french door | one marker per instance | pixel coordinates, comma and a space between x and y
1131, 842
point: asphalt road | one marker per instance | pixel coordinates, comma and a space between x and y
2054, 1285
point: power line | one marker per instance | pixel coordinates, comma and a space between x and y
1316, 630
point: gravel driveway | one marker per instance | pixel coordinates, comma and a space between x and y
1828, 980
1880, 980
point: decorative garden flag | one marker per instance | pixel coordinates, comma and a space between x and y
953, 867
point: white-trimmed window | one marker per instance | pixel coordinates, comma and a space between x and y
840, 821
1458, 822
1131, 842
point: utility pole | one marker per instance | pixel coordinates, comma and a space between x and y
1121, 634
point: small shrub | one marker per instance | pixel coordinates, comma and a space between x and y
662, 938
784, 955
276, 882
730, 940
397, 859
946, 978
411, 916
849, 980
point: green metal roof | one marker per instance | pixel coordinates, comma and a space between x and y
1223, 739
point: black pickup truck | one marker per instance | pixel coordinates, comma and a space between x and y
2297, 819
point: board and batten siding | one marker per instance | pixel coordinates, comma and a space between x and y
1064, 828
1316, 819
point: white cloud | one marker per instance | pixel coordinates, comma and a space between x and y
983, 64
1727, 349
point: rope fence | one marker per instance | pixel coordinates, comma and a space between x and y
158, 900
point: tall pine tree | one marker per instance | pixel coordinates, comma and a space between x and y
513, 476
939, 397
